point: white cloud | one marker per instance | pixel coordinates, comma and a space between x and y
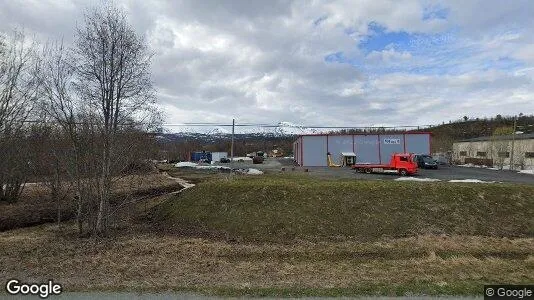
263, 61
525, 53
388, 56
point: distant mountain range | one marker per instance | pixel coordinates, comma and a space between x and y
443, 135
218, 133
215, 137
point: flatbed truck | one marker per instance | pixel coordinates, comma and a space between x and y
400, 163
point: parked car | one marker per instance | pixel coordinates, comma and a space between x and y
425, 161
224, 160
441, 159
257, 160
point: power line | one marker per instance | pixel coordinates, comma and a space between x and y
260, 125
278, 125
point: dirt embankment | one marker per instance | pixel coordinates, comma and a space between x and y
282, 208
37, 207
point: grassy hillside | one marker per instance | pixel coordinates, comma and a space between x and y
296, 236
286, 208
443, 136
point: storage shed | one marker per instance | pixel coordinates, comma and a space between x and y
312, 150
216, 156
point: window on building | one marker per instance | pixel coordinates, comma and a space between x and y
480, 153
529, 154
503, 154
463, 153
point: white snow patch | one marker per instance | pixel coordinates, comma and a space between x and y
466, 165
473, 166
185, 164
252, 171
531, 172
416, 179
471, 180
242, 159
212, 168
289, 157
504, 167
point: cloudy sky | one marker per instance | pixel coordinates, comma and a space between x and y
342, 63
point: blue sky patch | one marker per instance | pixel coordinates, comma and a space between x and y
379, 39
431, 54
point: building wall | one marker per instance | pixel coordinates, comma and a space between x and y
492, 149
338, 144
311, 150
367, 149
418, 143
390, 144
314, 151
216, 156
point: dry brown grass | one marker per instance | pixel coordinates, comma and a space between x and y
423, 264
35, 205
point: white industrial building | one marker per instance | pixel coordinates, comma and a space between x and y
312, 150
497, 151
216, 156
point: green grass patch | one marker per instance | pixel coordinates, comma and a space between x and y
282, 208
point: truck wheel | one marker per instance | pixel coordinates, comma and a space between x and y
368, 170
403, 172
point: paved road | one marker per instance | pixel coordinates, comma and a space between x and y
454, 172
444, 173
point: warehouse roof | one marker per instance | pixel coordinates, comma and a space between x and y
526, 136
365, 133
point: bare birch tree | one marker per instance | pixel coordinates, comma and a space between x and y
112, 78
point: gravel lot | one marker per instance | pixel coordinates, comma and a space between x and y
444, 173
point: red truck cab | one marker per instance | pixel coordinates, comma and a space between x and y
400, 163
404, 163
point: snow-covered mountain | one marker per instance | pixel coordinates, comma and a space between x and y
214, 133
282, 128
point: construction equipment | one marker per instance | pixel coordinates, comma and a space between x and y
330, 162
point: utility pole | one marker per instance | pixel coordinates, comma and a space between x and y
513, 140
232, 145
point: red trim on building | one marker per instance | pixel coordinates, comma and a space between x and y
336, 134
301, 152
379, 154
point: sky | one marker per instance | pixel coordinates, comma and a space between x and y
330, 63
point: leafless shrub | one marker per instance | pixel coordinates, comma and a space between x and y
19, 86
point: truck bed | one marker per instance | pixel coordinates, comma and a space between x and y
372, 166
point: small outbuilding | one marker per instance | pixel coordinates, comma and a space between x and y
216, 156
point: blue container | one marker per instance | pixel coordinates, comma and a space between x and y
201, 156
